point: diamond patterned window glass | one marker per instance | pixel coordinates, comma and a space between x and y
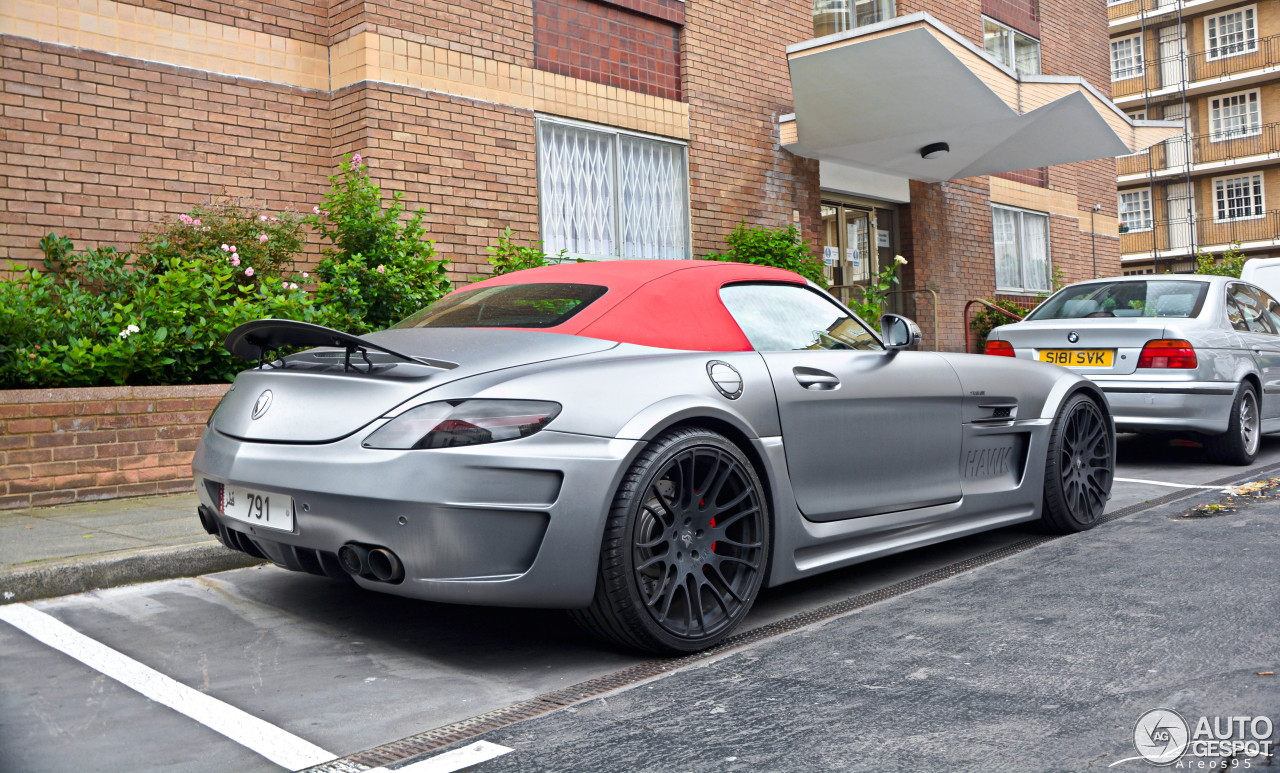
575, 189
606, 194
652, 207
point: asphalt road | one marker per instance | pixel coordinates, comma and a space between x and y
1041, 660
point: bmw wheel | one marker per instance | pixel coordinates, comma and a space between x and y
1079, 469
685, 546
1239, 444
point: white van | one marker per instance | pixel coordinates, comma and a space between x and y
1265, 273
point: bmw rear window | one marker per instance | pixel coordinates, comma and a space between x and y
526, 305
1129, 298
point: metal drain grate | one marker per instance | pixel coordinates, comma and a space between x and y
432, 740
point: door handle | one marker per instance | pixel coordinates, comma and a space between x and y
810, 378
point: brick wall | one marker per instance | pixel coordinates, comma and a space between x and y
73, 445
609, 44
99, 147
737, 85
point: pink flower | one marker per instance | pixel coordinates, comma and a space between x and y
224, 248
233, 248
316, 209
382, 269
355, 161
248, 271
262, 218
275, 219
197, 222
305, 275
236, 261
185, 219
262, 238
293, 285
206, 228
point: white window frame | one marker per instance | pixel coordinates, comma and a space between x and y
1144, 208
1248, 19
617, 231
1252, 112
1258, 190
1022, 258
1010, 59
1136, 57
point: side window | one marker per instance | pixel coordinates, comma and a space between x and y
787, 317
1235, 315
1251, 308
1271, 308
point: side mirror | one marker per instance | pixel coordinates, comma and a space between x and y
898, 332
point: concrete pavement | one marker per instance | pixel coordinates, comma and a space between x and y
55, 551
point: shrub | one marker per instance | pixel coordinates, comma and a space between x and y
985, 320
154, 320
781, 247
876, 292
378, 268
259, 240
1231, 263
507, 256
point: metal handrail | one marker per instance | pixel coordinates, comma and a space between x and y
993, 307
1202, 231
1199, 66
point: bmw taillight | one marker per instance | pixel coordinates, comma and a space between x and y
999, 348
1168, 353
463, 423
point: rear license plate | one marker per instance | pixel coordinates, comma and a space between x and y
260, 508
1078, 358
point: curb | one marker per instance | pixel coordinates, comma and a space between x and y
65, 577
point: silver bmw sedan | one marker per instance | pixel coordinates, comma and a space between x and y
1181, 354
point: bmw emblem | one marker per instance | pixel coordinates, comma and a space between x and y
261, 405
1073, 337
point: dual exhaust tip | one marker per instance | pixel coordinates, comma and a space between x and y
371, 562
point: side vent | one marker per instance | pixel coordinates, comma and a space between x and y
1000, 414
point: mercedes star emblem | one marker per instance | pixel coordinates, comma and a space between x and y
261, 405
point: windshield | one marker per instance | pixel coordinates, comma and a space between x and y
527, 305
1128, 298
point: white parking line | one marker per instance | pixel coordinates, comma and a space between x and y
476, 753
1170, 485
264, 738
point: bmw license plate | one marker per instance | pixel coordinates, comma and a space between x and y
1078, 358
259, 508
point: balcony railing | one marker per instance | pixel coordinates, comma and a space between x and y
1202, 149
1162, 73
1178, 235
1134, 7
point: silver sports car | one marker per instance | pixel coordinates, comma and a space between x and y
646, 443
1197, 354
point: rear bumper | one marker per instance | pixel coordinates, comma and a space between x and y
517, 523
1146, 406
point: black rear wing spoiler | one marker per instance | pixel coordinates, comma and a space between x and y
253, 341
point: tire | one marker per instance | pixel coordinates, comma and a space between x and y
672, 579
1079, 468
1239, 444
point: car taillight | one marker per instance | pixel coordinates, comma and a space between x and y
1168, 353
464, 423
999, 348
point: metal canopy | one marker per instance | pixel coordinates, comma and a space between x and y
872, 98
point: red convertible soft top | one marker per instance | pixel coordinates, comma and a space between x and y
671, 304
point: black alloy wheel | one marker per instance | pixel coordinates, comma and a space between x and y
1080, 467
686, 546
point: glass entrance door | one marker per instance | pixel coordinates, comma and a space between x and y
855, 240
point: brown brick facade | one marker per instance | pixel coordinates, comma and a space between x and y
74, 445
608, 44
1022, 15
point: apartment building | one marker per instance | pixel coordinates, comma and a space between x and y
1214, 67
974, 137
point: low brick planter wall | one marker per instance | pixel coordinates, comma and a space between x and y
72, 445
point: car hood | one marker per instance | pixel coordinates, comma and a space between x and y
314, 398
